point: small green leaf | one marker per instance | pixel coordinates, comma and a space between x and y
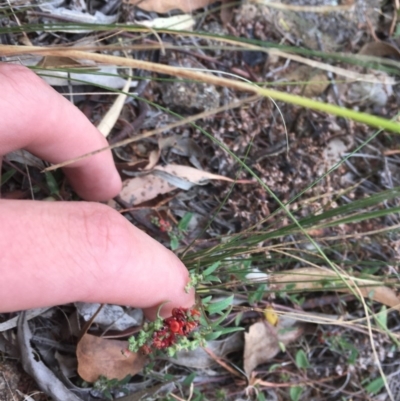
219, 306
301, 360
174, 242
212, 278
7, 175
211, 269
273, 367
206, 300
215, 323
185, 220
375, 386
52, 183
125, 380
189, 379
212, 336
258, 294
381, 317
295, 393
238, 318
228, 330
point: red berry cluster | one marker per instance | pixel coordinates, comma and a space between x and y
165, 226
181, 323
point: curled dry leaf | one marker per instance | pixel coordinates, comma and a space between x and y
154, 157
164, 179
112, 115
102, 357
380, 49
45, 379
263, 339
309, 278
185, 177
24, 157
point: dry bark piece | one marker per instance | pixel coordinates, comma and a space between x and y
103, 357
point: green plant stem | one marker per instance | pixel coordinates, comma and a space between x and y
365, 118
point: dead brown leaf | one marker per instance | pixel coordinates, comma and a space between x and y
142, 189
380, 49
59, 62
103, 357
190, 175
164, 179
262, 342
154, 157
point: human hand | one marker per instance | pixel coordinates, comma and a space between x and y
59, 252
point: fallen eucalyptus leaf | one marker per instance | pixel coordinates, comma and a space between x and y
185, 177
263, 340
24, 157
141, 189
105, 357
13, 322
164, 179
46, 380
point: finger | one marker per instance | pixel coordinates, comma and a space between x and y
37, 118
88, 252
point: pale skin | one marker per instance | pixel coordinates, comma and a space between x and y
53, 253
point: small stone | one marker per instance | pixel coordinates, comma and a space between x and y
183, 95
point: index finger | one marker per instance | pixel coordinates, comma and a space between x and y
37, 118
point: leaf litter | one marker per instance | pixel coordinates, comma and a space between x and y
311, 136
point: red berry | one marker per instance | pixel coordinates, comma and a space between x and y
164, 225
195, 312
145, 350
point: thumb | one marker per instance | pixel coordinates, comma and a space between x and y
88, 252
